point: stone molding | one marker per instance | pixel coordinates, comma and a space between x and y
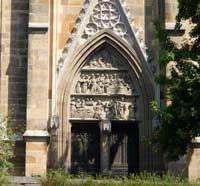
36, 134
38, 25
171, 26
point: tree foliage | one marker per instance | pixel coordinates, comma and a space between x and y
6, 148
180, 120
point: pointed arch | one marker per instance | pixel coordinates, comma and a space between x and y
108, 37
68, 76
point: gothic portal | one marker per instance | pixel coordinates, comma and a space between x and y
104, 88
103, 106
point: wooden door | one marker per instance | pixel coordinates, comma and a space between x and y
124, 153
85, 144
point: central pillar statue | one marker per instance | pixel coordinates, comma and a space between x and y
105, 129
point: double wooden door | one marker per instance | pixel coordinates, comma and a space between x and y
85, 143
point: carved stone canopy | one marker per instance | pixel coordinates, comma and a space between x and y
104, 89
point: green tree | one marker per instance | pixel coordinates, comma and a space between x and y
6, 149
180, 120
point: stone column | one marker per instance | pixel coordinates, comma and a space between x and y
194, 160
105, 128
36, 152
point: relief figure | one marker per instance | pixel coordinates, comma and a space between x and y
121, 108
85, 85
73, 107
132, 110
99, 110
78, 87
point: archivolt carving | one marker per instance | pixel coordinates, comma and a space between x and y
105, 15
104, 90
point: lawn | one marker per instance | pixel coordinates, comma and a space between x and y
56, 178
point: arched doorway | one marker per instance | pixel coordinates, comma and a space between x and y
103, 100
105, 91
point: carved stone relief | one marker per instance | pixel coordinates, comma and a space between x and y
102, 108
104, 90
104, 83
105, 15
103, 60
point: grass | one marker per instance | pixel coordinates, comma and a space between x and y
58, 178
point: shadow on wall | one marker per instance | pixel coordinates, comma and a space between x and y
17, 76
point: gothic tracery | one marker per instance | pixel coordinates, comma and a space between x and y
105, 15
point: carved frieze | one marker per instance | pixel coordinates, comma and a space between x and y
104, 90
100, 108
104, 83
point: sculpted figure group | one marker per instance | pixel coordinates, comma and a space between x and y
99, 93
103, 60
103, 84
113, 109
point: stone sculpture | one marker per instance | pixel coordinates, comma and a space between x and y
101, 89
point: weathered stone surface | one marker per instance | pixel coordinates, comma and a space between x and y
36, 157
13, 82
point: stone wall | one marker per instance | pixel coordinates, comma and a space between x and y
37, 95
37, 89
14, 47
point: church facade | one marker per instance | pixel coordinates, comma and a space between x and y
77, 77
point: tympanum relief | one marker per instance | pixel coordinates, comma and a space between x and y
104, 90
